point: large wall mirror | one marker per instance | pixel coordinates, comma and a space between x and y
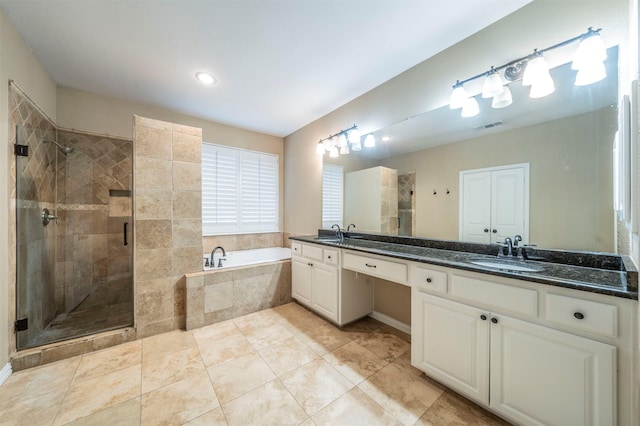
566, 138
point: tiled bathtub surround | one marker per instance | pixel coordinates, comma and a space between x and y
168, 222
215, 296
242, 241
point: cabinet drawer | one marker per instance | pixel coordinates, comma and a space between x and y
501, 297
312, 252
330, 257
296, 249
425, 279
392, 271
580, 314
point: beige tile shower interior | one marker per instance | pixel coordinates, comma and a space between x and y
279, 366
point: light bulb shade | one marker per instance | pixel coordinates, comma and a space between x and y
537, 70
369, 141
354, 135
470, 108
591, 74
502, 100
320, 148
334, 152
458, 97
342, 140
492, 86
591, 49
344, 149
357, 146
542, 88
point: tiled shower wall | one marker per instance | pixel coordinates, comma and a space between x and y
389, 201
37, 242
406, 204
168, 221
94, 266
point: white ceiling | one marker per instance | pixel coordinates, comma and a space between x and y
281, 64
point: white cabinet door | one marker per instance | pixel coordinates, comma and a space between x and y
475, 213
507, 203
494, 204
450, 342
544, 376
301, 280
324, 290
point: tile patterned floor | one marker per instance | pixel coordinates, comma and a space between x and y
281, 366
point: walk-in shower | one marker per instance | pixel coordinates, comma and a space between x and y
74, 265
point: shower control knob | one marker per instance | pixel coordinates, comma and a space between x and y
48, 217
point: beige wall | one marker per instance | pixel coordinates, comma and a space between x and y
427, 86
571, 189
16, 63
81, 110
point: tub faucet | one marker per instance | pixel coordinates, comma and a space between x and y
213, 252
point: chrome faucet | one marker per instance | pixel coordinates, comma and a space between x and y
508, 244
213, 252
349, 227
339, 233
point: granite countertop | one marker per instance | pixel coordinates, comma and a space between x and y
586, 271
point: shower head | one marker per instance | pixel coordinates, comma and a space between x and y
65, 149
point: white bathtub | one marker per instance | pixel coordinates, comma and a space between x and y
236, 259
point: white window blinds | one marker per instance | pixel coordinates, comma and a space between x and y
239, 191
332, 189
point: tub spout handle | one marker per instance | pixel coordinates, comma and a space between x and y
220, 261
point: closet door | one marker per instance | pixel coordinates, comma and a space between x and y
475, 209
494, 204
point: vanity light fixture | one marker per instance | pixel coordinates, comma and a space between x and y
338, 143
533, 70
369, 141
206, 78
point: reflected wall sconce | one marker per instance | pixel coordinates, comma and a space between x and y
533, 70
338, 143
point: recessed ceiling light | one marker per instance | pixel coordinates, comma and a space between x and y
386, 138
206, 78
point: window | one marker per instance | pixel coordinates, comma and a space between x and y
332, 189
239, 191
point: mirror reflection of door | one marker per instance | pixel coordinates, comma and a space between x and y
494, 204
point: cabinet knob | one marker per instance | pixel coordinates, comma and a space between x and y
310, 264
483, 317
578, 315
428, 280
495, 231
494, 320
328, 257
486, 229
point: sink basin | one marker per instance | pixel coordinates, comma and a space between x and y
507, 265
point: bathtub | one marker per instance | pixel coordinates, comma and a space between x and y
249, 281
240, 258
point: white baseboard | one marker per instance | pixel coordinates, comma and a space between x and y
5, 373
392, 322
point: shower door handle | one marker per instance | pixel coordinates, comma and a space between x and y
125, 233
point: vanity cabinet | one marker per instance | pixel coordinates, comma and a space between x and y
319, 283
315, 279
525, 371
